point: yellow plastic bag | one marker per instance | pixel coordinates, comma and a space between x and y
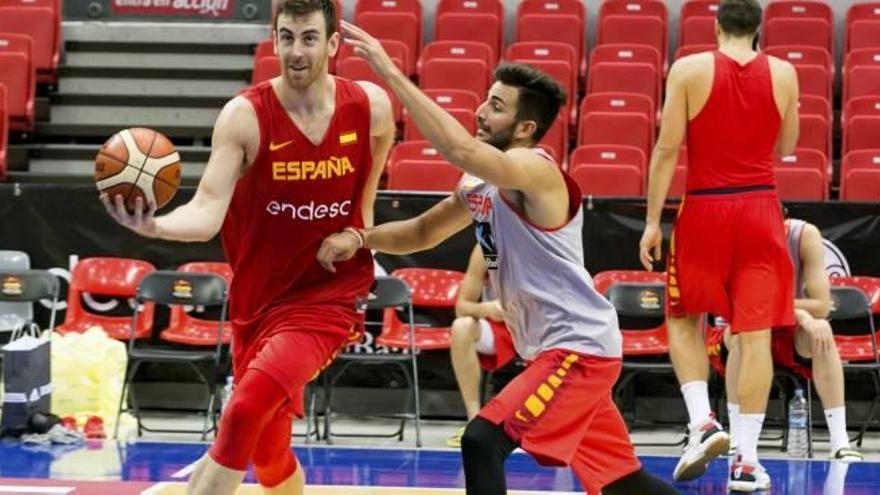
88, 370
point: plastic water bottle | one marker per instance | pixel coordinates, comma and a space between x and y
797, 425
227, 393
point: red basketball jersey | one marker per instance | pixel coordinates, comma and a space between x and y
294, 195
730, 143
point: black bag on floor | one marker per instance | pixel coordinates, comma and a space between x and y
27, 379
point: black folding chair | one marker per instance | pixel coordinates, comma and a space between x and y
29, 286
390, 292
178, 288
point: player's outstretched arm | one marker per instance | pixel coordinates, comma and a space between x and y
673, 125
200, 219
423, 232
517, 169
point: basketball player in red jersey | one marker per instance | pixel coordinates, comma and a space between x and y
529, 220
293, 160
727, 253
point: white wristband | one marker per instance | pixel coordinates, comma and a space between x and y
357, 233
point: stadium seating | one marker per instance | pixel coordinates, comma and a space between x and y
861, 185
18, 74
807, 159
466, 74
266, 68
463, 115
566, 29
358, 69
799, 22
414, 150
422, 175
479, 27
546, 50
457, 49
861, 73
404, 27
862, 29
608, 180
43, 25
696, 23
800, 184
4, 132
643, 22
868, 159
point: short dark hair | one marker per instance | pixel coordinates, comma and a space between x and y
540, 96
739, 17
305, 7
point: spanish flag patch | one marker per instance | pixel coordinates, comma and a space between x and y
348, 137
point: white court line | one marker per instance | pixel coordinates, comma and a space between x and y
155, 489
185, 471
35, 489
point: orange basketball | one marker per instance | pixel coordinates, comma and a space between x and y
138, 163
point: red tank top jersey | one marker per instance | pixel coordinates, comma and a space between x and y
731, 142
294, 195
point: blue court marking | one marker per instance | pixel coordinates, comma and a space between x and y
149, 461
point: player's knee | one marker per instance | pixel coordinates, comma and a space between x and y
241, 410
478, 438
463, 330
272, 470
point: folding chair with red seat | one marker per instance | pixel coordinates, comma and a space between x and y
482, 28
404, 27
4, 131
18, 74
861, 74
266, 68
422, 175
608, 180
464, 74
807, 159
114, 277
634, 77
800, 184
697, 22
862, 26
42, 24
799, 22
684, 51
860, 185
186, 328
557, 28
861, 159
358, 69
643, 22
852, 321
414, 150
457, 49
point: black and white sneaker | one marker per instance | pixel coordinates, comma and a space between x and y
747, 477
848, 455
705, 442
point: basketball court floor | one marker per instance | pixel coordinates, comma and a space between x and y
160, 465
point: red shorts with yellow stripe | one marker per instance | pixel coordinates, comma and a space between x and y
727, 256
292, 344
559, 410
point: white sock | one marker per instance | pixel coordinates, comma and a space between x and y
836, 480
747, 437
696, 398
733, 418
836, 421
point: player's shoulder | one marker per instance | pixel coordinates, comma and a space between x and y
692, 63
374, 92
780, 67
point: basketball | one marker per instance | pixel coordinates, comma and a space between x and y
138, 163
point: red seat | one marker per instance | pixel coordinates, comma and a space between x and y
814, 105
266, 68
454, 98
640, 78
643, 22
624, 53
432, 290
358, 69
860, 185
697, 22
42, 25
422, 175
800, 184
608, 180
464, 116
854, 347
803, 55
457, 49
482, 28
807, 159
414, 150
116, 277
464, 74
4, 132
814, 133
609, 155
616, 101
639, 341
797, 31
405, 6
404, 27
187, 329
540, 50
684, 51
18, 74
490, 7
394, 48
265, 48
861, 73
620, 118
862, 132
861, 159
559, 28
555, 141
862, 25
556, 7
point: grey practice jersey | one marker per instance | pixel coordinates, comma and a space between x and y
793, 230
539, 275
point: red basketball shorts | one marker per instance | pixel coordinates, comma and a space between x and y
559, 409
504, 350
727, 256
